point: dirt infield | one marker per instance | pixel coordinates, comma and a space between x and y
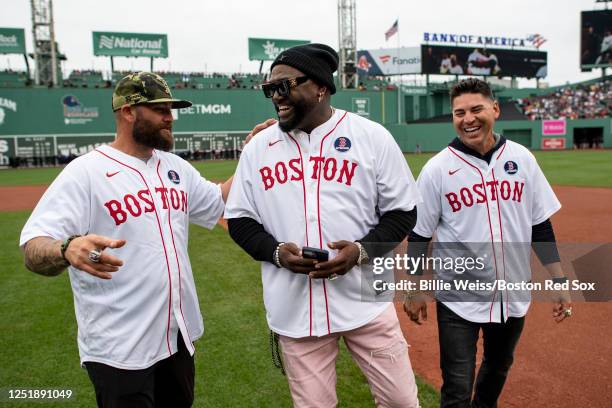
556, 365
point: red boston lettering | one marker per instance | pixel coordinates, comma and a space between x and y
184, 206
346, 172
146, 197
465, 197
479, 190
297, 172
266, 177
453, 202
504, 190
329, 170
280, 170
163, 192
518, 191
142, 203
174, 199
316, 165
115, 210
132, 205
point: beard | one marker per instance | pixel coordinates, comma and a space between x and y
147, 134
300, 109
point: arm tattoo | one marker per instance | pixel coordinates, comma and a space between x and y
43, 256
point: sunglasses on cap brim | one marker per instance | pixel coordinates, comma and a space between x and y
283, 87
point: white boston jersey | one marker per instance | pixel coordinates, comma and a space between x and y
313, 189
476, 61
491, 209
132, 320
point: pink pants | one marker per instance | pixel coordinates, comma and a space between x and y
378, 348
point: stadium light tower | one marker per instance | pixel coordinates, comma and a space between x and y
43, 32
347, 40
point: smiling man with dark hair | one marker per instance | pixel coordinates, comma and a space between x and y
486, 195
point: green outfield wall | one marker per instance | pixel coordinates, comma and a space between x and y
37, 122
434, 136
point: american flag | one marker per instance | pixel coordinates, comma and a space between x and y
390, 32
537, 40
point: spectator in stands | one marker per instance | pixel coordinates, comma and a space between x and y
572, 102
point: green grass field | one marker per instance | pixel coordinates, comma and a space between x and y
570, 168
38, 331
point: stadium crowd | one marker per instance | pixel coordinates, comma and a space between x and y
572, 102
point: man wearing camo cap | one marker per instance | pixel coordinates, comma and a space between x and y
118, 219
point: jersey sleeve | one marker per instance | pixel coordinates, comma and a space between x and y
396, 187
63, 210
428, 215
241, 202
545, 202
205, 201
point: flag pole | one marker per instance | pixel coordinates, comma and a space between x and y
399, 81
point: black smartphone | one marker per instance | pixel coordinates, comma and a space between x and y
320, 255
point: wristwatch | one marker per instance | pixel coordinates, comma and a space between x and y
363, 255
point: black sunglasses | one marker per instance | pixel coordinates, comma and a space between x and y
283, 87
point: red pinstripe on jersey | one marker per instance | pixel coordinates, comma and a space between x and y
500, 225
490, 225
306, 223
319, 211
163, 244
501, 231
178, 263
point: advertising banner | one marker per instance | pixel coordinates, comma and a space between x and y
130, 44
267, 49
553, 143
555, 127
12, 41
389, 61
500, 62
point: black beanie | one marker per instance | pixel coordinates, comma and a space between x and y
317, 61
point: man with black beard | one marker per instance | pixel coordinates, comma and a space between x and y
328, 179
118, 219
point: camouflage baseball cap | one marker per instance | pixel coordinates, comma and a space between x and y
144, 87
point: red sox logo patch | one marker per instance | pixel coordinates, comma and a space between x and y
511, 167
342, 144
174, 177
